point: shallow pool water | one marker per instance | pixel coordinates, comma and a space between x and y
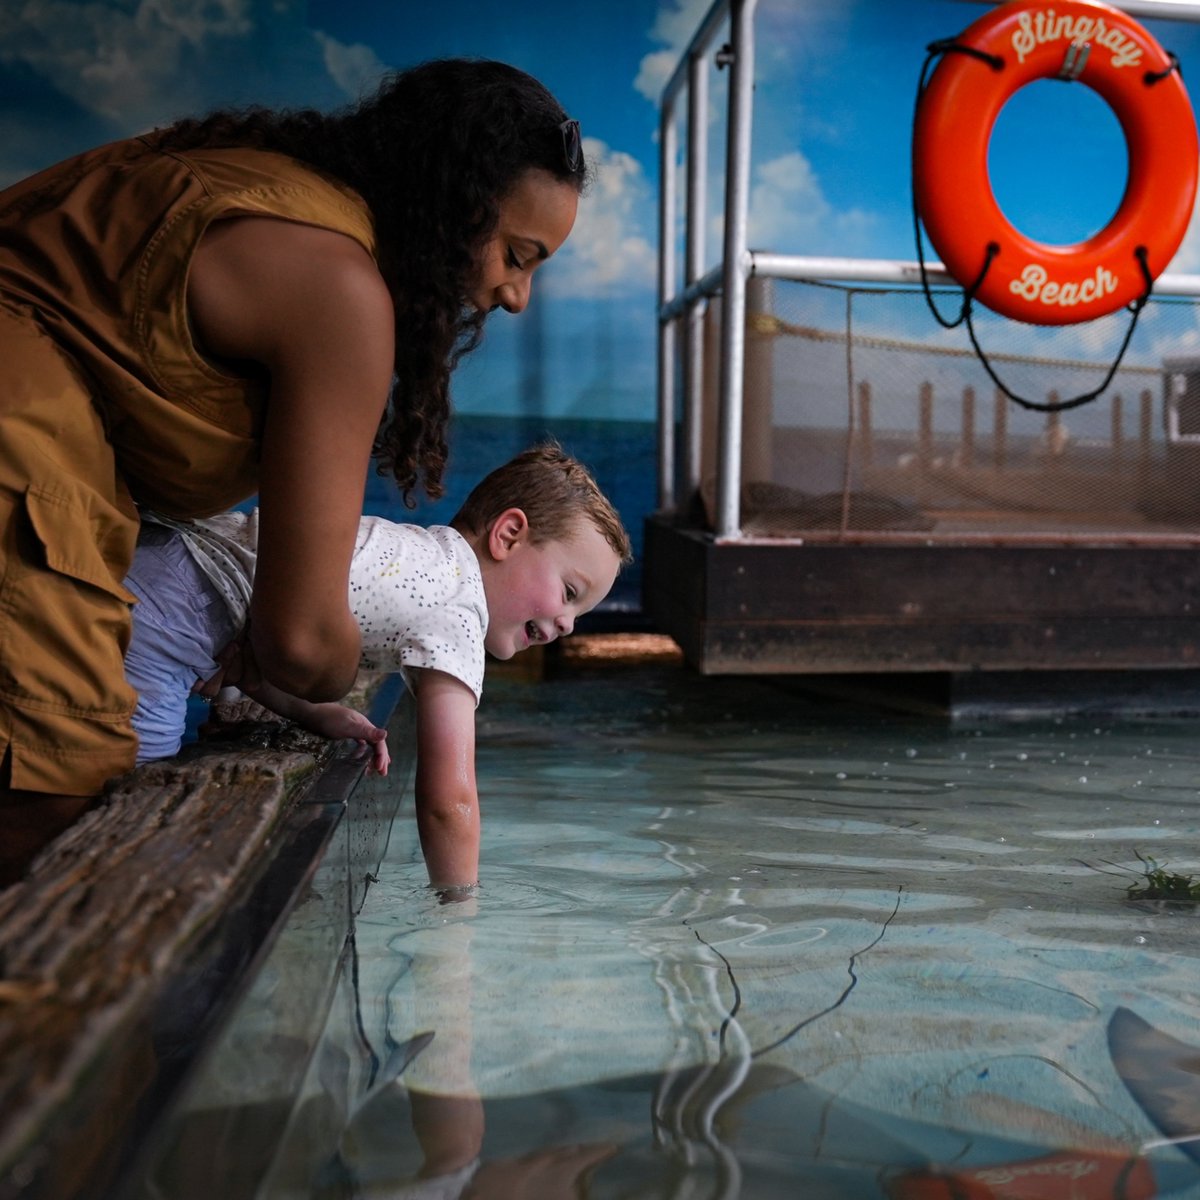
735, 941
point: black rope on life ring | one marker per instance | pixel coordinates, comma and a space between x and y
1152, 77
933, 51
1062, 405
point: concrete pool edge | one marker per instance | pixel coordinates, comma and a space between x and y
139, 928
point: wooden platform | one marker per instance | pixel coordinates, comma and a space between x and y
133, 932
790, 606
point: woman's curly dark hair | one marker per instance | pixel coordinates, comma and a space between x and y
432, 152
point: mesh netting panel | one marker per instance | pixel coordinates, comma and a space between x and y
868, 416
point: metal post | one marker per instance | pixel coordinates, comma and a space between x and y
666, 289
866, 437
693, 330
733, 325
968, 427
999, 430
1145, 439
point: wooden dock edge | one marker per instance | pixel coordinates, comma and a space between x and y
795, 607
181, 878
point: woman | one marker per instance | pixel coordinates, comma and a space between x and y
222, 308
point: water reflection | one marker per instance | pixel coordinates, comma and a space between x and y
742, 1124
419, 1130
730, 941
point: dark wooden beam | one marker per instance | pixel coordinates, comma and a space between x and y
789, 607
184, 871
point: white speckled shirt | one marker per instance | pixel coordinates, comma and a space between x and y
416, 593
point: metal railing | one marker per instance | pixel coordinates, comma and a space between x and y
685, 306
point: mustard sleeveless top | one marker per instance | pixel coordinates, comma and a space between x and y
97, 250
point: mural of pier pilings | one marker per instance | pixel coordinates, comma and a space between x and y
848, 431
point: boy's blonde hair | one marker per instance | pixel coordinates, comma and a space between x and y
553, 490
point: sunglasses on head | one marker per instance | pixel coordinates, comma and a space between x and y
572, 147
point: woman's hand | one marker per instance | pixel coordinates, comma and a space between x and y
338, 721
237, 667
330, 720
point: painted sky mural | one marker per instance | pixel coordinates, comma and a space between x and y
834, 98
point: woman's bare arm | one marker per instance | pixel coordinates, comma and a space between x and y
310, 307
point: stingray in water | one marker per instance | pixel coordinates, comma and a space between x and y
1163, 1076
736, 1127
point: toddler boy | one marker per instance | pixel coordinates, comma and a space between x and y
535, 546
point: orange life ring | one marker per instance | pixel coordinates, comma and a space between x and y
1031, 281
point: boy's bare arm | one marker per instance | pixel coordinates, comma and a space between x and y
447, 798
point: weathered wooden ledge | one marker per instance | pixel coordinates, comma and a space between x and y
171, 887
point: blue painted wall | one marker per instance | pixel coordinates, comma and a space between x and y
835, 84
